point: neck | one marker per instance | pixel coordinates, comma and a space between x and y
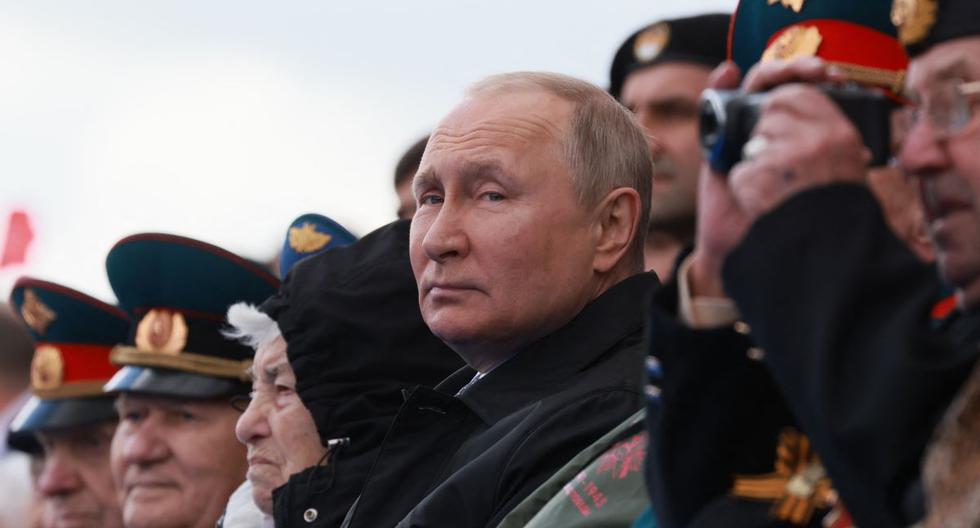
660, 252
486, 356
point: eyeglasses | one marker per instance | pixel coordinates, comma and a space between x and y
949, 107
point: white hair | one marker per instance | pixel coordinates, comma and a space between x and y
251, 326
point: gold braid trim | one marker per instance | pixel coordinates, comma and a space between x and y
891, 79
185, 361
75, 389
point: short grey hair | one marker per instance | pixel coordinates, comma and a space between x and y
251, 326
605, 149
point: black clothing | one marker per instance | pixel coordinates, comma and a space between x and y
466, 461
356, 340
841, 308
719, 415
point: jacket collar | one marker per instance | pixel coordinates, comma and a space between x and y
549, 363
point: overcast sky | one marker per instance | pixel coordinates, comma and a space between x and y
225, 119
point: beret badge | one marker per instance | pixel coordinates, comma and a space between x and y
306, 239
914, 19
162, 331
47, 368
651, 43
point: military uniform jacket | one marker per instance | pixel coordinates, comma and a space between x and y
466, 461
719, 415
841, 308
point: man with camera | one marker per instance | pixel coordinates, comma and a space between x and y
834, 306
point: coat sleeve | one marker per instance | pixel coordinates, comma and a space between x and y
841, 307
719, 414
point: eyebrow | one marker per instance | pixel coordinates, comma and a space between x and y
471, 171
480, 170
271, 372
423, 178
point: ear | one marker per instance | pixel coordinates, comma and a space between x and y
616, 224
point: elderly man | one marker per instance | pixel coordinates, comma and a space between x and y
526, 247
175, 459
837, 305
68, 415
355, 340
658, 73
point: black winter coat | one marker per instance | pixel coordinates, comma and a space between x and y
466, 461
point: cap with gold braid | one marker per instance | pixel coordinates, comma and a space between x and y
859, 38
177, 291
73, 335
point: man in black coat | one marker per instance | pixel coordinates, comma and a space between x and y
526, 247
838, 307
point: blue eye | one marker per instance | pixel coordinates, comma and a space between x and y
494, 197
430, 199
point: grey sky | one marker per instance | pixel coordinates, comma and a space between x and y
224, 120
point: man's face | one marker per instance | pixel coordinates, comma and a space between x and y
277, 428
406, 200
948, 165
75, 481
665, 100
500, 246
175, 462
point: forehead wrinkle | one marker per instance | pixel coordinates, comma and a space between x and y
524, 129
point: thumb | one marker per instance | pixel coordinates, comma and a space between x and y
725, 77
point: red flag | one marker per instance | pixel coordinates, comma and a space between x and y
19, 237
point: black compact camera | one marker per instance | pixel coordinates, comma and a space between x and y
728, 118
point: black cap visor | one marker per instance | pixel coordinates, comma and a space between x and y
46, 415
165, 382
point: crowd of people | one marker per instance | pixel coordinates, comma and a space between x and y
637, 306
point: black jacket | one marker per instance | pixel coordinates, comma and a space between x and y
356, 340
466, 461
719, 415
841, 308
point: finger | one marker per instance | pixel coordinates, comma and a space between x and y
725, 77
766, 75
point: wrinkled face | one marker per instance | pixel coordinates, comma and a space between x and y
665, 99
75, 481
501, 248
175, 462
948, 165
277, 428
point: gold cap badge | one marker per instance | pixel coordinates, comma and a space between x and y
795, 42
306, 239
36, 314
795, 5
47, 368
652, 42
162, 331
914, 19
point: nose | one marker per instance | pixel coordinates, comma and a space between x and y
444, 236
145, 443
253, 423
58, 475
657, 148
923, 154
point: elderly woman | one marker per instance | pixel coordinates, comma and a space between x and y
335, 349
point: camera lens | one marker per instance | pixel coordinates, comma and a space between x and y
712, 120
